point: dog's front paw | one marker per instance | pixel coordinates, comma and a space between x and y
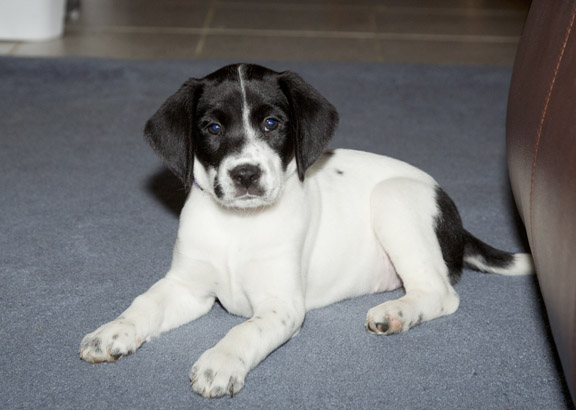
110, 342
218, 373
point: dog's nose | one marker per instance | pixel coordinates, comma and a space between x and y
246, 175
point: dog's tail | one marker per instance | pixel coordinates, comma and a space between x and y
484, 258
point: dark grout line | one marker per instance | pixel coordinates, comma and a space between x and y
377, 46
205, 29
14, 49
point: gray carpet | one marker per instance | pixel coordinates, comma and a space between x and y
88, 218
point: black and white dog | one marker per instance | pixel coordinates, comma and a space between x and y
274, 225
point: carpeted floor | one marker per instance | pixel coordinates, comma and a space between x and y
88, 217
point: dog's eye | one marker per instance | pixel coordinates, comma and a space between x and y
215, 129
270, 124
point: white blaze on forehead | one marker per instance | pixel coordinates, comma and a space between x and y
248, 130
255, 151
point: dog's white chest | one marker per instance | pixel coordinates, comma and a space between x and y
244, 256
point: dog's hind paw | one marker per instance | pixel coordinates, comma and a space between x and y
391, 318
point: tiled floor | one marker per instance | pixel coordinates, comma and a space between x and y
415, 31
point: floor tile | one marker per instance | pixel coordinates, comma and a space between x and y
447, 52
296, 18
116, 45
461, 23
294, 48
169, 13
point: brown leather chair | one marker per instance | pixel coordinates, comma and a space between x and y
541, 141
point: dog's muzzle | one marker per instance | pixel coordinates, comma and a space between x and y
246, 178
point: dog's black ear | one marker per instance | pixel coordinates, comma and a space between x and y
170, 131
314, 119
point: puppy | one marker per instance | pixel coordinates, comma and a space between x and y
274, 225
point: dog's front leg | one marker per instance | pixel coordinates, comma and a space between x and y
169, 303
222, 369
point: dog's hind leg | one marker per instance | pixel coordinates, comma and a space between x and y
404, 216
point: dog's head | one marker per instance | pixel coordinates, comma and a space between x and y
241, 131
